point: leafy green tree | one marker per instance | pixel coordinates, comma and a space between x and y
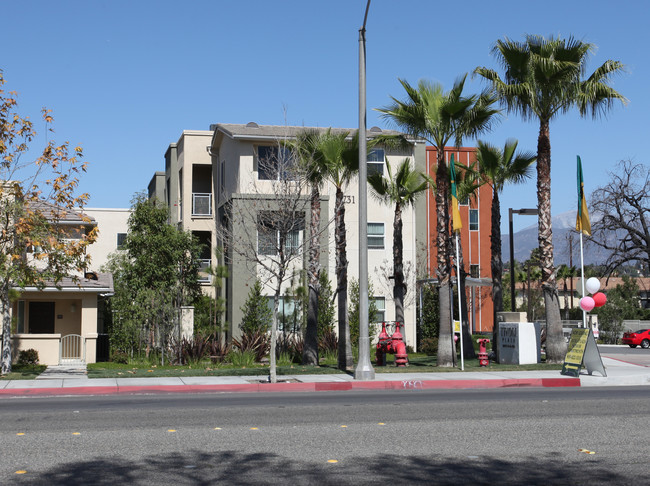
156, 274
257, 315
354, 310
543, 78
438, 117
428, 328
35, 195
400, 189
622, 303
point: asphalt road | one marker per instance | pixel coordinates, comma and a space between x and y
638, 355
506, 436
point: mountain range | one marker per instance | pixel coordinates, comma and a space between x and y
566, 243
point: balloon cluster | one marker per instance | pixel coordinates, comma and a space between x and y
598, 300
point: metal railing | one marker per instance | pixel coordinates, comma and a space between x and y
201, 204
204, 265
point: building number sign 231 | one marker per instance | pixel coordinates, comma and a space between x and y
348, 199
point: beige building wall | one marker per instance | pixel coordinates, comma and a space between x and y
111, 222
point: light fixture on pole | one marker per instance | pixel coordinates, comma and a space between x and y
364, 370
525, 211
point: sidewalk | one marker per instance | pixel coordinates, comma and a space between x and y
61, 381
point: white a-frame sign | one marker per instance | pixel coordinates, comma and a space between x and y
582, 351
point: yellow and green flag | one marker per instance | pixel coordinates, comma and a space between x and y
582, 218
455, 214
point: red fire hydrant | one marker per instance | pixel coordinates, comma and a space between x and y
482, 352
391, 344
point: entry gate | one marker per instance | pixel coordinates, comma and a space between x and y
72, 350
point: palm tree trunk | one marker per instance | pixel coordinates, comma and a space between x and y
345, 348
446, 348
6, 328
496, 266
310, 350
555, 343
399, 288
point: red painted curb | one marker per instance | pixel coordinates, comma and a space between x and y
412, 384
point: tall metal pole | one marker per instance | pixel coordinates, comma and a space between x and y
364, 370
512, 263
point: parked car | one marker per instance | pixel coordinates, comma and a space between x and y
634, 338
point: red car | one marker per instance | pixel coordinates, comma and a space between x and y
633, 339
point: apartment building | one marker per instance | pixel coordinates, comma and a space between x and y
210, 175
476, 217
186, 188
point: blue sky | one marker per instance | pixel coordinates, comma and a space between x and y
124, 78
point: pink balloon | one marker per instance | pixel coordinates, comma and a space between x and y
587, 303
599, 299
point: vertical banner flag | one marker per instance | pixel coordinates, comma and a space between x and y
455, 214
582, 218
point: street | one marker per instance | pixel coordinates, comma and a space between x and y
505, 436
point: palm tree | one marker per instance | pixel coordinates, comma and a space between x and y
341, 161
438, 117
543, 79
400, 189
499, 167
306, 148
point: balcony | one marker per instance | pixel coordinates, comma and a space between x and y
201, 204
204, 266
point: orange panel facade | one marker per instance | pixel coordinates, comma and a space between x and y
474, 238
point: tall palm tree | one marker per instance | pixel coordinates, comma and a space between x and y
306, 148
401, 189
341, 161
499, 167
543, 78
437, 116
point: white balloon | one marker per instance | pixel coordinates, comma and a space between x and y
592, 284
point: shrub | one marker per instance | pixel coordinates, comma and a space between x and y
120, 357
255, 341
429, 346
241, 359
257, 315
217, 350
28, 357
291, 345
328, 341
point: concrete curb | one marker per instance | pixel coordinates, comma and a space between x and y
412, 384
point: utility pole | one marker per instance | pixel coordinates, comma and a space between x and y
364, 370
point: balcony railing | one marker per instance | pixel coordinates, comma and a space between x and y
204, 265
201, 204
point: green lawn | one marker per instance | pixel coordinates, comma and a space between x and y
418, 363
23, 372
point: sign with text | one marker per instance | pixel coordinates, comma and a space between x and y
582, 351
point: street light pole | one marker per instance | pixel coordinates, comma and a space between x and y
364, 370
529, 211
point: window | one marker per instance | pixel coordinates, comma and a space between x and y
222, 176
473, 219
273, 162
268, 240
201, 204
376, 236
376, 158
121, 239
41, 317
289, 317
464, 201
380, 309
21, 317
474, 271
